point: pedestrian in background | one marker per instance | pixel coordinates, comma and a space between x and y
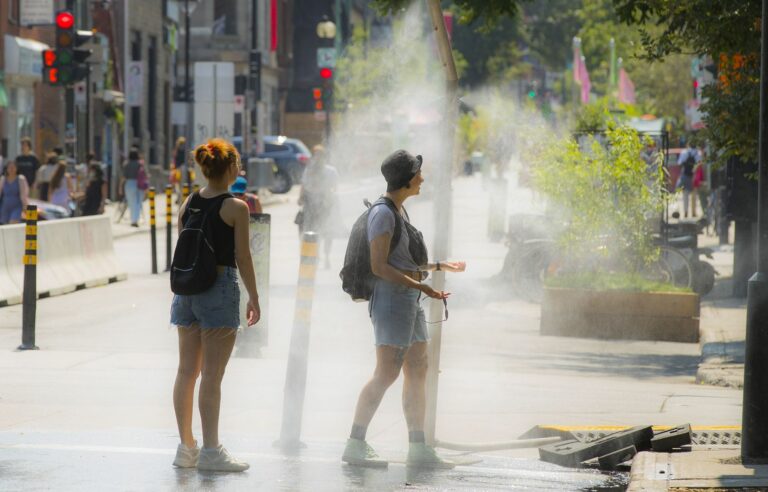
688, 160
208, 322
179, 166
701, 185
60, 188
14, 195
399, 325
45, 173
129, 185
27, 163
319, 211
93, 199
240, 189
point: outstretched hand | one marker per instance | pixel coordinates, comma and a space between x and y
453, 266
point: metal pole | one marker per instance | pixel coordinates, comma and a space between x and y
612, 74
215, 102
168, 226
152, 228
441, 209
754, 422
29, 298
296, 372
126, 108
337, 38
188, 97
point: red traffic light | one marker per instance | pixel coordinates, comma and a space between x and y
49, 58
53, 76
317, 93
65, 20
326, 73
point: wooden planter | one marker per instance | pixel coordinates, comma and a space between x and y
664, 316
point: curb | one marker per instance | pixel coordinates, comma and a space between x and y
728, 375
720, 435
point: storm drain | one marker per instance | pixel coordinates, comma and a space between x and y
702, 435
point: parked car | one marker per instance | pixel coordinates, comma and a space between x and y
291, 157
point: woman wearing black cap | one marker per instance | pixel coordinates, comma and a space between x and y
398, 320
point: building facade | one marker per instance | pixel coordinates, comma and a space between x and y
248, 34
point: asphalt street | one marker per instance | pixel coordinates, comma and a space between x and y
92, 409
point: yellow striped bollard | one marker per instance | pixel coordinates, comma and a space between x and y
184, 192
29, 298
195, 188
152, 229
296, 373
168, 227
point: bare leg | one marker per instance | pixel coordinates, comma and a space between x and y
217, 347
414, 386
389, 360
190, 359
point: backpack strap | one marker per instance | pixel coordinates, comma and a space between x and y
398, 220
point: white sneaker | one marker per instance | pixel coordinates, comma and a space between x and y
219, 459
186, 457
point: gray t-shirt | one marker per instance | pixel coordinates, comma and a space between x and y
381, 220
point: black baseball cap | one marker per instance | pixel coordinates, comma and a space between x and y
399, 168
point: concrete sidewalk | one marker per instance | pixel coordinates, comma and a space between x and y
711, 468
723, 327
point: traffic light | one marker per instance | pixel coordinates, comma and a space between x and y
325, 94
66, 64
317, 96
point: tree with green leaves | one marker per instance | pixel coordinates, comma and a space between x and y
721, 28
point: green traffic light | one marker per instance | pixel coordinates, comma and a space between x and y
531, 94
64, 57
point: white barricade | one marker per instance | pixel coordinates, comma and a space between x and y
11, 248
72, 254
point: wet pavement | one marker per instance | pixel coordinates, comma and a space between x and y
135, 460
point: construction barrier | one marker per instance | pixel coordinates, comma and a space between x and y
72, 254
152, 228
168, 227
29, 308
253, 338
296, 373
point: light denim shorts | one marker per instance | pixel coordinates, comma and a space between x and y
217, 307
398, 319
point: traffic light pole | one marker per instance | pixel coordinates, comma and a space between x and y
754, 422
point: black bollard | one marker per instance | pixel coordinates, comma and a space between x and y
168, 192
152, 229
29, 298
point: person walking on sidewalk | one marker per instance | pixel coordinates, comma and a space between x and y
27, 163
208, 322
130, 185
318, 200
14, 195
399, 325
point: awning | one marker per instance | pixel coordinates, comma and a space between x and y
3, 94
22, 57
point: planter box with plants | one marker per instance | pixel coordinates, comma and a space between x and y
620, 314
609, 279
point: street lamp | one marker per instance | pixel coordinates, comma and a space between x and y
326, 30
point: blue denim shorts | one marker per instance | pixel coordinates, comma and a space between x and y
398, 319
217, 307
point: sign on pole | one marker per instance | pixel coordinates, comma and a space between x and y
36, 12
326, 57
135, 84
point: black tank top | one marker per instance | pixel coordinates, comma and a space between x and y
223, 235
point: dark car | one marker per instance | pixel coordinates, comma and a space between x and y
291, 157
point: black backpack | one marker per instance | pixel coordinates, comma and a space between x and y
689, 164
193, 269
357, 278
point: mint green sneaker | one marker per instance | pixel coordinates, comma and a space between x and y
359, 453
421, 455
